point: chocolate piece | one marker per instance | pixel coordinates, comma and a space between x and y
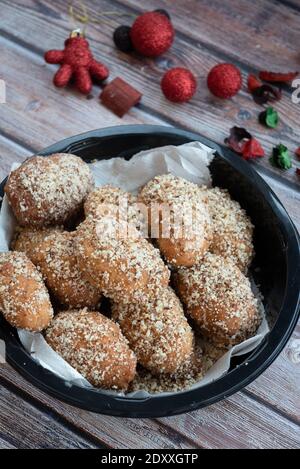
119, 96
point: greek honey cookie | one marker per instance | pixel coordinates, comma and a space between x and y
218, 296
120, 263
93, 345
27, 239
107, 199
53, 251
157, 330
48, 190
24, 299
182, 222
232, 228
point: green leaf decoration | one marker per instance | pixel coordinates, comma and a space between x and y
281, 157
269, 117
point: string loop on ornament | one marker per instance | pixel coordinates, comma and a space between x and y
84, 17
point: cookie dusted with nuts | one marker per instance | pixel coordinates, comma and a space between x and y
179, 219
27, 240
24, 299
114, 257
157, 330
232, 235
218, 296
94, 346
53, 252
112, 200
49, 190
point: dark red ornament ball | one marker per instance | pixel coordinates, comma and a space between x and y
122, 38
178, 85
224, 80
152, 34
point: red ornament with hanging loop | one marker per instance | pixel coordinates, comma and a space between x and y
76, 62
152, 34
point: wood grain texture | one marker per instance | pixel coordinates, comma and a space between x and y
289, 198
111, 431
5, 445
279, 385
203, 114
50, 116
236, 422
24, 426
261, 34
267, 413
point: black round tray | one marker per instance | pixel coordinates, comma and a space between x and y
277, 255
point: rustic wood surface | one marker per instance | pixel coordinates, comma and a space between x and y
254, 35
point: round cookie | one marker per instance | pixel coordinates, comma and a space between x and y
48, 190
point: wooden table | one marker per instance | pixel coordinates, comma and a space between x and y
260, 34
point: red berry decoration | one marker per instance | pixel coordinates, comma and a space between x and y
76, 62
252, 149
178, 85
224, 80
152, 34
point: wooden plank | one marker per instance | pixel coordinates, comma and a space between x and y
261, 34
205, 114
238, 422
111, 431
48, 117
279, 384
24, 426
10, 152
5, 445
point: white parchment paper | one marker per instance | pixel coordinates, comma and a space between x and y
189, 161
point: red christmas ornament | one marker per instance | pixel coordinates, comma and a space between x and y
76, 62
178, 85
224, 80
152, 34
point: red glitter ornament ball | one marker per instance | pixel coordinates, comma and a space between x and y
178, 85
224, 80
152, 34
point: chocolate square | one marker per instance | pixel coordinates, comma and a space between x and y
119, 96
